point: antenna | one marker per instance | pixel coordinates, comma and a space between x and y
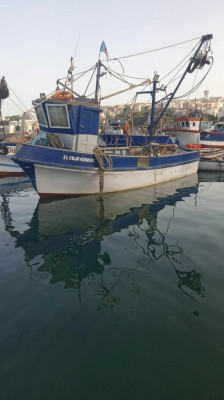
76, 46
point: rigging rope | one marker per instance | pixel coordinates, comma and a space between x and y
90, 80
16, 104
175, 77
17, 98
127, 76
193, 83
187, 56
151, 51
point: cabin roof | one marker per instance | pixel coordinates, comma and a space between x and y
187, 119
83, 101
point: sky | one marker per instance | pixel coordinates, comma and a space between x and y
38, 38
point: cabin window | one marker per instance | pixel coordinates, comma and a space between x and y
193, 123
187, 124
58, 116
40, 115
182, 124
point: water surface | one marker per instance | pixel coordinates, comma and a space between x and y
115, 300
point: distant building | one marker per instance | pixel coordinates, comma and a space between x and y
221, 113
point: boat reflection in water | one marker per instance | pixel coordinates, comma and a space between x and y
96, 247
210, 176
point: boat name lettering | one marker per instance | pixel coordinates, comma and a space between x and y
76, 158
11, 149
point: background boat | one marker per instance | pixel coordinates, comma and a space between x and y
211, 164
7, 149
188, 130
11, 134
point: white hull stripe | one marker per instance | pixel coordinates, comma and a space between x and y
61, 181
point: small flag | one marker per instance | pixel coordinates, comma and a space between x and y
104, 49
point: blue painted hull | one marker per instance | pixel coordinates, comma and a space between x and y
29, 154
7, 165
55, 172
212, 139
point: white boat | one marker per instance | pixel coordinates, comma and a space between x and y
188, 131
211, 160
66, 161
211, 165
207, 126
7, 166
11, 135
7, 149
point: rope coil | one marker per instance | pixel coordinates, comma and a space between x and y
104, 160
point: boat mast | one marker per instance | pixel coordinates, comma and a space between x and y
98, 80
70, 73
153, 94
98, 66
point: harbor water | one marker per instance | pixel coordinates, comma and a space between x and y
121, 299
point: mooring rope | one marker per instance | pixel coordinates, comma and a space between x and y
105, 162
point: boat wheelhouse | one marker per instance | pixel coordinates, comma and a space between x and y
186, 130
73, 123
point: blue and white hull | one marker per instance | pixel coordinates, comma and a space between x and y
59, 172
184, 136
7, 166
212, 140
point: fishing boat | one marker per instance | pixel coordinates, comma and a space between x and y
7, 166
65, 159
211, 160
7, 147
188, 130
12, 134
7, 150
207, 164
213, 138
